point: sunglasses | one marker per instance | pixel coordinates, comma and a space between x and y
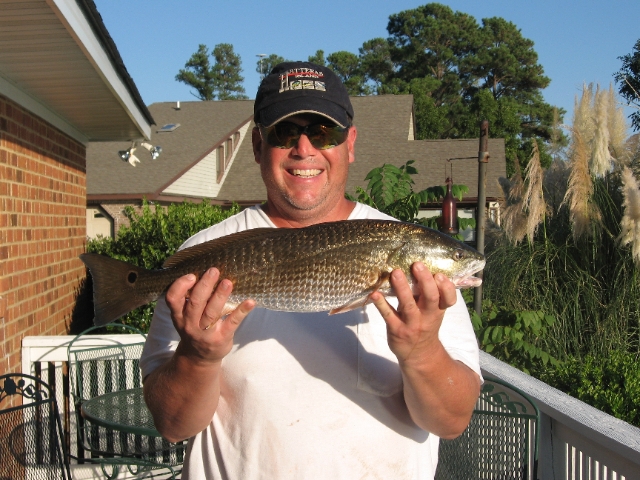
287, 134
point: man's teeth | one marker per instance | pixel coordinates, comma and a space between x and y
306, 173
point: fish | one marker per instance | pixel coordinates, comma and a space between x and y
333, 266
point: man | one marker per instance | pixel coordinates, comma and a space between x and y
278, 395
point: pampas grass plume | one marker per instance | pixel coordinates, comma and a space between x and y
582, 211
617, 125
513, 221
630, 224
533, 204
600, 162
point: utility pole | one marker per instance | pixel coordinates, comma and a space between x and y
261, 56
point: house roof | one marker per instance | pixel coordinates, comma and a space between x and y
203, 127
58, 61
385, 135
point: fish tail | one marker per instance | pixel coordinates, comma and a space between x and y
114, 287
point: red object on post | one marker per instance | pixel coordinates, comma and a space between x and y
449, 222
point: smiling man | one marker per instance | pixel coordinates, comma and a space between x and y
278, 395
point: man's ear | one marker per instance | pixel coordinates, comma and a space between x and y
351, 142
256, 141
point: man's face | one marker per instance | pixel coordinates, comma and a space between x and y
304, 182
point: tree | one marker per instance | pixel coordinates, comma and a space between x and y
346, 66
461, 72
628, 78
266, 64
222, 80
376, 64
318, 58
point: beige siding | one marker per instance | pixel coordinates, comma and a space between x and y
201, 180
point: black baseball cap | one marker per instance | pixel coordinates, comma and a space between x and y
302, 87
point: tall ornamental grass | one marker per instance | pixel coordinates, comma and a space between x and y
579, 266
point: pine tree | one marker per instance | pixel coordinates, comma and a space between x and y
221, 80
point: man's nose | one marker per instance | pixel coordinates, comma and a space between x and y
303, 147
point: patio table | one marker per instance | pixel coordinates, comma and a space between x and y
124, 432
124, 411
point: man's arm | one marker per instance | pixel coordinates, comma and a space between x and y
439, 391
183, 394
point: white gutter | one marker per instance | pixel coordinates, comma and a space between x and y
76, 24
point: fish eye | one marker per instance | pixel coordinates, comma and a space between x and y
458, 254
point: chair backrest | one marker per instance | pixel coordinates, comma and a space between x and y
30, 430
501, 441
95, 370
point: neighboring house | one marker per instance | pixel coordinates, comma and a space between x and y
207, 153
62, 84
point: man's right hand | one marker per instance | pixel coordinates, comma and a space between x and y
206, 334
183, 394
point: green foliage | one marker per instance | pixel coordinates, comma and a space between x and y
318, 58
390, 190
459, 73
153, 235
515, 337
628, 79
591, 286
266, 64
221, 81
608, 382
346, 66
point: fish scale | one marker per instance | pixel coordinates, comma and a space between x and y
330, 266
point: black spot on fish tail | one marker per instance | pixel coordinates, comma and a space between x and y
115, 287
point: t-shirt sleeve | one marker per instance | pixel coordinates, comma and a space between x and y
162, 340
457, 335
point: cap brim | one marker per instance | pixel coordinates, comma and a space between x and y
278, 111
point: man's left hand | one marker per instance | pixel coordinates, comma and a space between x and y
412, 328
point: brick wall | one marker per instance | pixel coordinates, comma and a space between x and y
42, 228
116, 211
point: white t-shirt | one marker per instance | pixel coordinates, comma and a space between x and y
308, 395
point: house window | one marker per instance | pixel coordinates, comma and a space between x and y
228, 150
220, 162
236, 139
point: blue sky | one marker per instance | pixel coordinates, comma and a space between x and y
576, 41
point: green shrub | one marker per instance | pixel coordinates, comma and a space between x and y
515, 337
610, 383
155, 234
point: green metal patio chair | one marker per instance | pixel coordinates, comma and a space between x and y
99, 370
30, 430
501, 442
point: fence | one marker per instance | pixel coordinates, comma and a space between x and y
577, 441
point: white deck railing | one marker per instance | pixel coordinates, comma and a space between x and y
577, 441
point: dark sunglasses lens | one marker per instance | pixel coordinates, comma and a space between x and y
283, 135
322, 137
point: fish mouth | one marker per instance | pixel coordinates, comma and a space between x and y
467, 282
305, 173
466, 279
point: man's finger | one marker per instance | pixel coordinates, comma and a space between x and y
448, 293
200, 294
231, 322
177, 293
213, 311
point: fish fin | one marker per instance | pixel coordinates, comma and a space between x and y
381, 283
228, 308
114, 285
197, 251
357, 303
